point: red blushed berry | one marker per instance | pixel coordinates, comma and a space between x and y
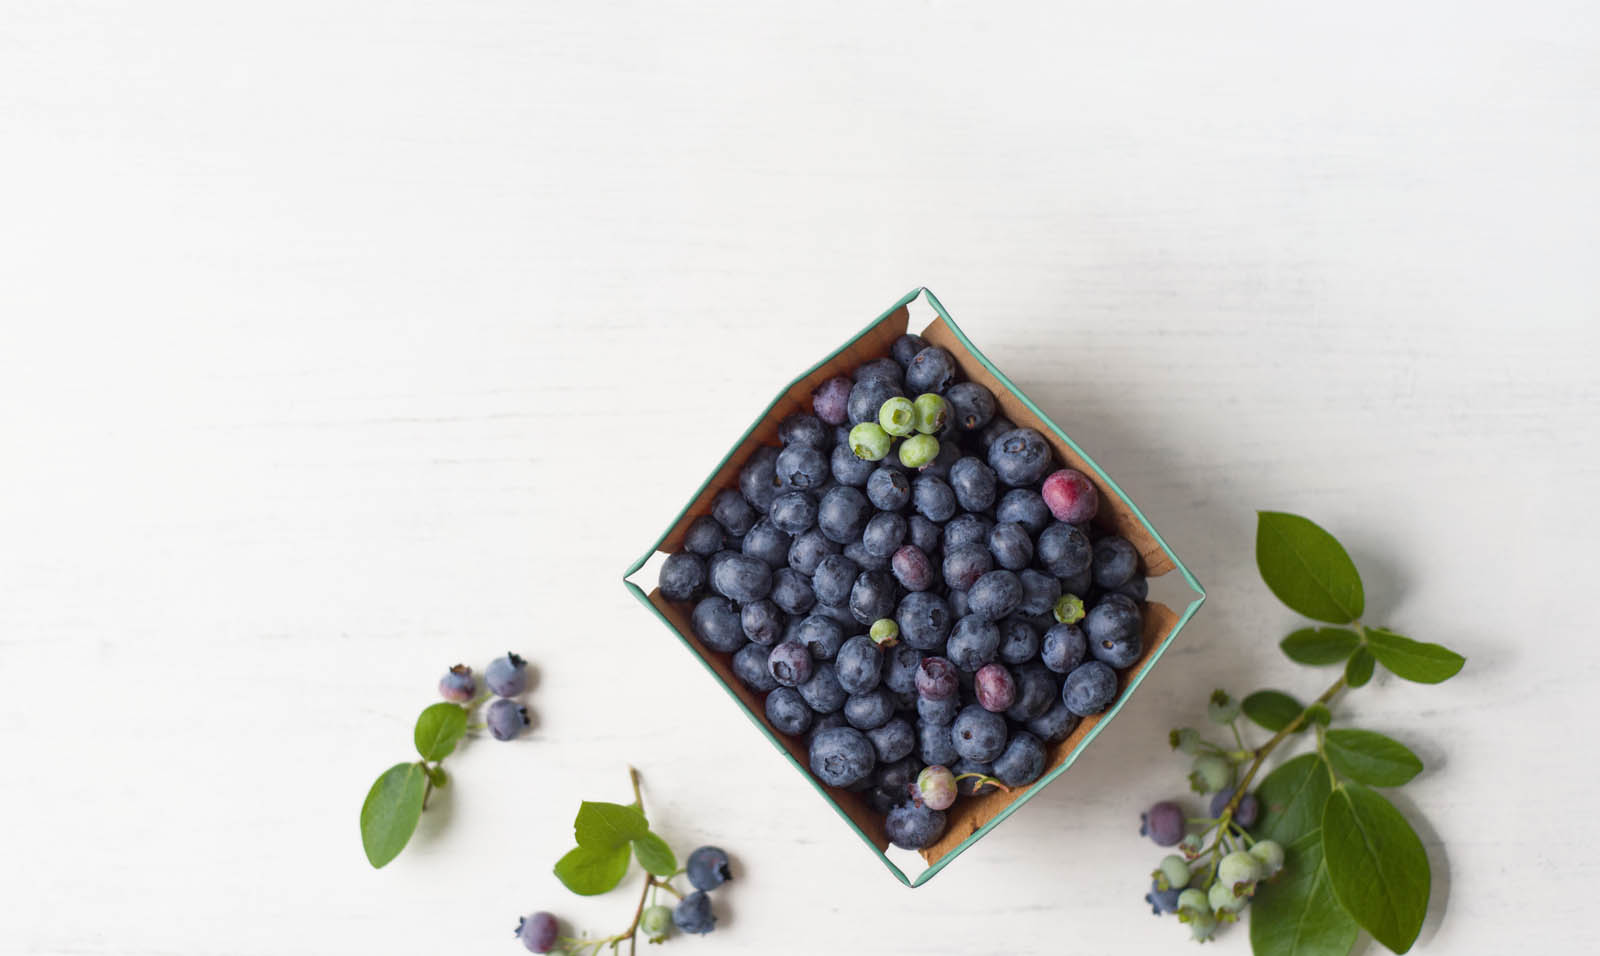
538, 932
1162, 823
937, 679
458, 684
1070, 496
995, 688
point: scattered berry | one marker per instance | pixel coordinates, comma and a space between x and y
693, 914
708, 868
538, 932
458, 684
505, 718
1163, 823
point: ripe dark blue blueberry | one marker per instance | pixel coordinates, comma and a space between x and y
906, 347
971, 404
974, 484
789, 663
872, 596
683, 576
1025, 507
733, 512
893, 740
1036, 693
911, 567
708, 868
787, 711
800, 428
1055, 725
766, 542
868, 395
974, 642
1163, 823
1116, 561
1089, 689
934, 745
704, 536
801, 467
866, 560
998, 425
978, 734
936, 679
888, 489
1070, 496
762, 622
750, 666
911, 827
742, 578
843, 513
505, 718
995, 595
859, 665
924, 534
924, 619
841, 756
1163, 901
820, 635
808, 549
943, 711
900, 667
1011, 545
716, 622
693, 914
847, 467
1020, 457
1019, 642
822, 692
932, 370
932, 498
506, 676
791, 591
1137, 588
1064, 647
758, 479
834, 577
869, 710
1114, 619
831, 400
1039, 592
1064, 550
884, 533
1245, 814
793, 512
966, 529
458, 685
538, 932
964, 564
1022, 762
884, 368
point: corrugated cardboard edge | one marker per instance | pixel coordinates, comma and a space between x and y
973, 817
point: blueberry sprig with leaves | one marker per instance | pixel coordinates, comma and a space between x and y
1319, 852
395, 803
610, 836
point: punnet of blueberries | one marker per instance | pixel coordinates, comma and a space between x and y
609, 836
935, 604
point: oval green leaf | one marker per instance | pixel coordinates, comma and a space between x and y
1376, 864
1320, 646
439, 729
592, 870
1297, 913
608, 825
1307, 568
1414, 660
1370, 758
1358, 670
1273, 709
654, 855
390, 813
1292, 799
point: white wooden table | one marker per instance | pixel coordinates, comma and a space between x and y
340, 342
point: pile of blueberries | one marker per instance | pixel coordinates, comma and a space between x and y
912, 583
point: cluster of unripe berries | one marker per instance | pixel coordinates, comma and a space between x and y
506, 678
707, 869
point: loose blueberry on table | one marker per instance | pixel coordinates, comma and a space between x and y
926, 585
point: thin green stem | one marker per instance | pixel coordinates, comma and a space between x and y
1238, 738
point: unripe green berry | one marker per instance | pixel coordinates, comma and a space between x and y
1222, 709
1173, 872
1223, 902
932, 411
1238, 872
1202, 928
656, 922
1190, 846
884, 632
870, 442
1209, 774
1186, 739
1068, 609
898, 416
1193, 903
918, 450
1270, 855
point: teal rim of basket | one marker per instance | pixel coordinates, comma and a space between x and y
1045, 419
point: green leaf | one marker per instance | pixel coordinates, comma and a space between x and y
1413, 660
439, 729
1320, 646
1297, 913
1370, 758
1272, 709
436, 774
1307, 568
1359, 668
590, 871
1319, 714
1292, 799
654, 855
606, 826
390, 813
1376, 864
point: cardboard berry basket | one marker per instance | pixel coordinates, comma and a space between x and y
972, 816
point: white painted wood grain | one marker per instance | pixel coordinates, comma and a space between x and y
344, 341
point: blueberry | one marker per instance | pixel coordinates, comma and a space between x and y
1089, 689
683, 576
808, 549
834, 577
972, 405
897, 416
708, 868
906, 347
831, 400
1011, 546
919, 451
998, 425
995, 595
966, 529
1019, 642
655, 922
1174, 872
716, 622
1245, 814
866, 560
1269, 854
1194, 905
1115, 619
822, 692
758, 479
791, 591
821, 636
1120, 653
900, 668
974, 484
900, 773
801, 467
787, 711
750, 666
932, 370
732, 512
762, 622
767, 542
1163, 901
1063, 550
458, 685
789, 663
793, 512
742, 578
1056, 725
978, 734
884, 533
894, 740
1163, 823
1064, 647
1036, 693
1039, 592
1116, 561
949, 454
933, 413
693, 914
888, 489
1022, 762
1025, 507
1019, 457
911, 827
964, 564
1238, 872
936, 785
1079, 583
505, 718
827, 721
538, 932
995, 688
936, 679
934, 745
974, 642
1209, 773
924, 534
841, 756
884, 369
866, 397
859, 665
944, 710
911, 567
924, 620
848, 468
506, 676
872, 596
1070, 496
843, 514
801, 428
1137, 588
704, 536
970, 787
869, 710
1223, 901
